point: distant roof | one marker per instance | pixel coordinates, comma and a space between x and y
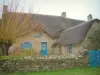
75, 34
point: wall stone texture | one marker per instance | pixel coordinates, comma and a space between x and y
42, 63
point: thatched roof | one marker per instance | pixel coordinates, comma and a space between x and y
75, 34
53, 25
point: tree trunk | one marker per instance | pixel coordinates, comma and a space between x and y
5, 47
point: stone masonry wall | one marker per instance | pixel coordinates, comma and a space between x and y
29, 63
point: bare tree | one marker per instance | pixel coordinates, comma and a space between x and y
15, 24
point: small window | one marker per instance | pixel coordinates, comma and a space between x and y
37, 35
69, 48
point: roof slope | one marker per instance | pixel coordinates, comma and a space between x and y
75, 34
73, 22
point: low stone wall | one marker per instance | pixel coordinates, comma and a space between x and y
40, 63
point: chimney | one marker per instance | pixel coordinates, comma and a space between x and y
5, 8
63, 14
89, 17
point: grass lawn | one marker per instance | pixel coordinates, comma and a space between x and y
77, 71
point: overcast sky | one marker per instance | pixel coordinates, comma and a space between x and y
77, 9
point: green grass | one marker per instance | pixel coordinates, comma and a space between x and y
77, 71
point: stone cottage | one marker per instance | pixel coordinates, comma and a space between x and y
60, 35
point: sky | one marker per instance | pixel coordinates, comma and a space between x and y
76, 9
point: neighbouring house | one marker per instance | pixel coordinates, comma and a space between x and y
60, 35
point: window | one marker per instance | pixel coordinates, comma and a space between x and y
37, 35
26, 45
69, 48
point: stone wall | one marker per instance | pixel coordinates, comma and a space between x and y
40, 63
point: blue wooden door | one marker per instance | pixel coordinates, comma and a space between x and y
94, 58
44, 48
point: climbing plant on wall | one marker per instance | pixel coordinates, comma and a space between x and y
95, 40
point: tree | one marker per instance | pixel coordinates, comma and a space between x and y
15, 24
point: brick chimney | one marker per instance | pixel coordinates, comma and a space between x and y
5, 8
63, 14
89, 17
